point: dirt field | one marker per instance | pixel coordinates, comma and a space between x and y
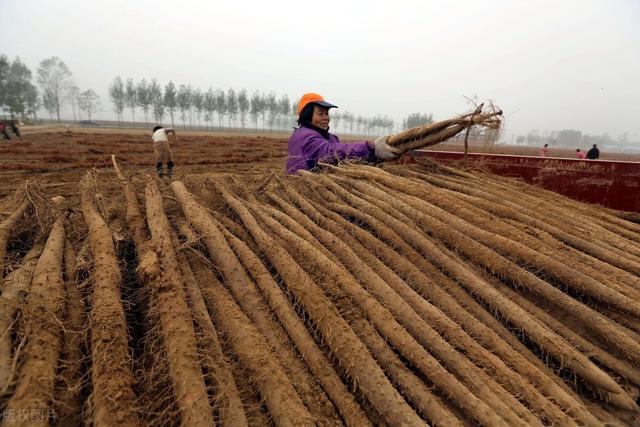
55, 156
234, 295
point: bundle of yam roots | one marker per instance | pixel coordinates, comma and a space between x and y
437, 132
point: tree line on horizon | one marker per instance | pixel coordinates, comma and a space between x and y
193, 106
56, 87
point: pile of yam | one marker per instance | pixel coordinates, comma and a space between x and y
360, 295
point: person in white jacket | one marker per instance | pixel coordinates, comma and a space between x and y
162, 150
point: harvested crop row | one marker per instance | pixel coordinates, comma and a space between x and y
156, 393
175, 316
111, 375
421, 212
357, 296
284, 404
166, 289
611, 220
544, 337
416, 301
319, 365
225, 260
231, 271
623, 400
336, 190
69, 408
414, 390
14, 286
422, 279
325, 214
251, 301
622, 281
507, 209
550, 212
218, 372
606, 274
568, 406
392, 329
43, 306
337, 334
619, 280
413, 201
444, 325
388, 327
627, 292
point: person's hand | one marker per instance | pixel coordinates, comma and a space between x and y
384, 151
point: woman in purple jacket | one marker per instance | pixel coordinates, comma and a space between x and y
312, 142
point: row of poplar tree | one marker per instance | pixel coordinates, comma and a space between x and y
223, 109
193, 107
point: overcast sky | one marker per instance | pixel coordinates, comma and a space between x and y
549, 64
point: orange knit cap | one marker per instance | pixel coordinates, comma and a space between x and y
313, 98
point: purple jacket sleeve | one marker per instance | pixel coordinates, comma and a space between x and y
316, 147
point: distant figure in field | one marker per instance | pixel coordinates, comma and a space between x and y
162, 151
580, 154
594, 153
544, 151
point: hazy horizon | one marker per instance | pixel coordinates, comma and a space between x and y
548, 65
